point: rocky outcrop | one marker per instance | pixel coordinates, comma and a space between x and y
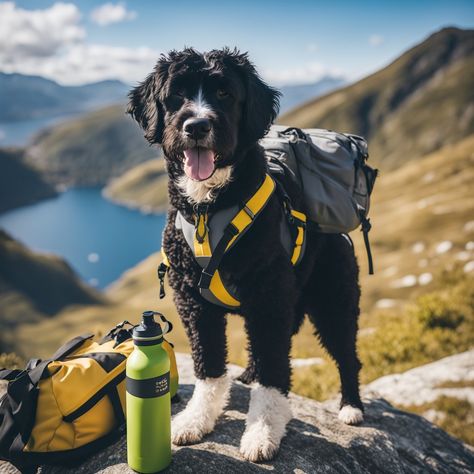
389, 441
428, 382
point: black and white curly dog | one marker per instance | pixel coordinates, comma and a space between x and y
216, 101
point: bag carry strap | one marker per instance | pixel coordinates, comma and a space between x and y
35, 374
36, 367
71, 346
9, 374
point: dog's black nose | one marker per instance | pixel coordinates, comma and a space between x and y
197, 128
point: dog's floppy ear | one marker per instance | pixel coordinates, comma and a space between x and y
144, 104
261, 105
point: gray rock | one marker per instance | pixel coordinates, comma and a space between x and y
389, 441
422, 384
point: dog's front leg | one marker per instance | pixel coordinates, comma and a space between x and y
205, 327
268, 318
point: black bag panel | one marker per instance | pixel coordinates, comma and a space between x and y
26, 461
17, 415
107, 360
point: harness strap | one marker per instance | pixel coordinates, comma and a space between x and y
245, 217
206, 275
235, 229
211, 285
299, 220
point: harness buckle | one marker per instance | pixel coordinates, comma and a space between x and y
161, 271
249, 212
205, 280
200, 217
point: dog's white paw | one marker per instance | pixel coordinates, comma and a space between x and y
188, 427
200, 415
268, 415
350, 415
257, 443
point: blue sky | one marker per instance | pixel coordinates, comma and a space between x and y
289, 41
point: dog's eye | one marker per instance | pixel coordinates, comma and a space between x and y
222, 94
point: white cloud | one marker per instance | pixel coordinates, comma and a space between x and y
51, 43
375, 40
84, 63
304, 74
38, 33
109, 13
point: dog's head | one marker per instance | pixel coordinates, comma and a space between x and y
205, 110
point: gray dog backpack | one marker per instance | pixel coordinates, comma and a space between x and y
330, 169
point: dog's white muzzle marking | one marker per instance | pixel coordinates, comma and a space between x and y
202, 411
269, 413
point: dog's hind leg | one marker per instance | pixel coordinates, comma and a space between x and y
268, 311
249, 374
332, 301
205, 327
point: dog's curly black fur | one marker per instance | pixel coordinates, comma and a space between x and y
274, 296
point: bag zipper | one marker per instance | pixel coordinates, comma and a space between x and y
92, 401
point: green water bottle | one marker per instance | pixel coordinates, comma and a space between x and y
148, 399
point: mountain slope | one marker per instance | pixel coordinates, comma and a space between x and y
20, 184
143, 187
25, 97
420, 102
33, 286
422, 218
91, 149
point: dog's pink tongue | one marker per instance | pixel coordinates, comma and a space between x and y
199, 163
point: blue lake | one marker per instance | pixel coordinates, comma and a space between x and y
100, 240
21, 132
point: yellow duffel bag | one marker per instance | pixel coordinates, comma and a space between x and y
58, 410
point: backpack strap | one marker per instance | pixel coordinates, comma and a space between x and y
365, 228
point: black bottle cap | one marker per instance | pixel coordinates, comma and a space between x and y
148, 328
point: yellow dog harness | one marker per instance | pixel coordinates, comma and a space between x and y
210, 237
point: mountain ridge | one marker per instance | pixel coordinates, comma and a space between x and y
90, 150
394, 107
25, 97
14, 169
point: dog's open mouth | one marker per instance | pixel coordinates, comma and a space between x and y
199, 163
